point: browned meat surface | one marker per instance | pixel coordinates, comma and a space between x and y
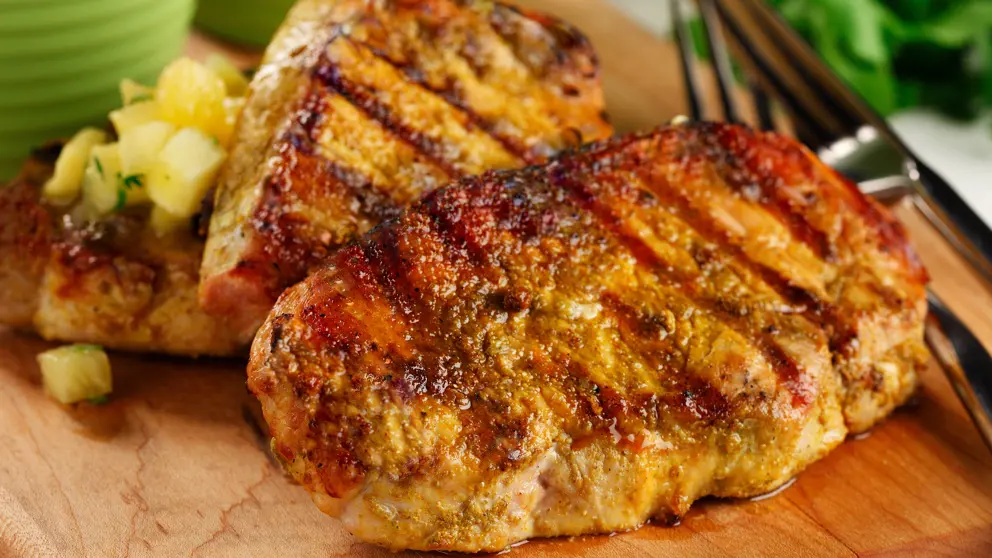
360, 107
112, 283
579, 347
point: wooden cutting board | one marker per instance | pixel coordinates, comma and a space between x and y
176, 465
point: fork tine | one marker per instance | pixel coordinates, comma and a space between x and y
808, 127
720, 58
686, 57
762, 106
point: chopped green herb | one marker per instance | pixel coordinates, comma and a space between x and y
99, 165
121, 199
86, 347
143, 97
133, 181
101, 400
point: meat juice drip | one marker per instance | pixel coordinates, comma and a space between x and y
512, 546
862, 436
775, 492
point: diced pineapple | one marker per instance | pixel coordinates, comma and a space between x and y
186, 169
232, 110
133, 92
234, 79
190, 94
105, 187
134, 115
67, 179
141, 145
100, 183
164, 223
75, 373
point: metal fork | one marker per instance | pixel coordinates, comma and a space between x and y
857, 143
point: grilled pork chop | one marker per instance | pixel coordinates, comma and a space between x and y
360, 106
579, 347
113, 283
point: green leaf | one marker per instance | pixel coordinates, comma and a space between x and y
901, 53
101, 400
859, 27
121, 199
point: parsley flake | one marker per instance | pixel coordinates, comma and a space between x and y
132, 181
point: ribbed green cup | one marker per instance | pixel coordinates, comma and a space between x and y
249, 22
61, 63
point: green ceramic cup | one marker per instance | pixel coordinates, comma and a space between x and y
248, 22
61, 63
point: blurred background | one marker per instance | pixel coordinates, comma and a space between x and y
924, 64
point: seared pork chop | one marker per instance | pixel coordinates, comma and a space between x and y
360, 107
579, 347
112, 283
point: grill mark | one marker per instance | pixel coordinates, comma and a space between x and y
449, 94
466, 222
306, 122
414, 72
429, 371
373, 202
559, 177
710, 233
627, 410
593, 411
330, 75
687, 393
889, 230
387, 266
387, 344
288, 243
840, 327
291, 248
721, 146
567, 39
288, 249
303, 135
786, 368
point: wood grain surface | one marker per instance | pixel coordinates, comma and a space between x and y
176, 464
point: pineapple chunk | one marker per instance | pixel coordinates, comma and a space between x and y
141, 145
232, 110
190, 94
100, 183
164, 223
186, 169
105, 187
133, 92
75, 373
130, 117
64, 185
234, 80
